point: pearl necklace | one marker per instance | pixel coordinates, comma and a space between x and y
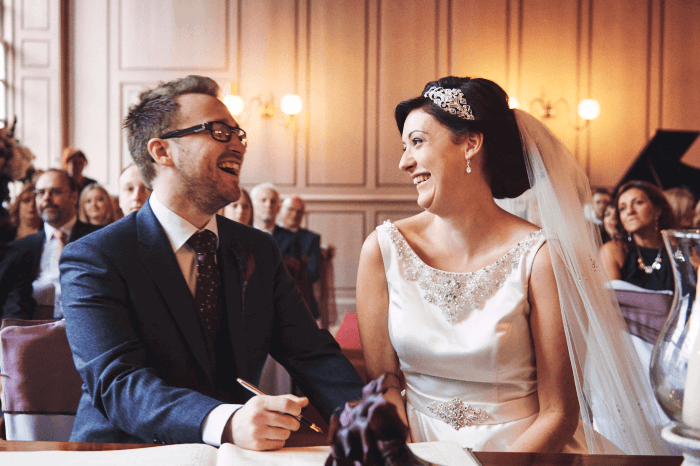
648, 269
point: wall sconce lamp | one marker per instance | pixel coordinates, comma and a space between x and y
542, 108
290, 107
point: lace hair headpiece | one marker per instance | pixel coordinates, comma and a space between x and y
450, 100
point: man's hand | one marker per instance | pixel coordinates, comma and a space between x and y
261, 425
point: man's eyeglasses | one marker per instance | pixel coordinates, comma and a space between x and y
218, 130
50, 192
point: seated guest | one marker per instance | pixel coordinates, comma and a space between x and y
290, 216
167, 307
95, 206
609, 230
15, 165
266, 206
640, 257
118, 214
600, 198
73, 161
241, 211
133, 192
16, 299
56, 197
23, 213
682, 203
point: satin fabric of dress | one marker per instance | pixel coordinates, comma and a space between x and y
485, 358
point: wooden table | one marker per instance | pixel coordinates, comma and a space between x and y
487, 459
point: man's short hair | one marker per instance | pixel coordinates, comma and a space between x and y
259, 187
153, 115
72, 185
600, 191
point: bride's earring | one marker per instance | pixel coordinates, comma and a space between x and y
469, 162
629, 236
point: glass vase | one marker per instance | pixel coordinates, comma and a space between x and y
675, 360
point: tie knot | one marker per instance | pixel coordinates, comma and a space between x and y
59, 235
203, 242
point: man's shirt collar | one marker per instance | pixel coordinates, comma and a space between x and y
177, 229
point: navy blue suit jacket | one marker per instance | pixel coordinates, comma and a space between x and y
132, 326
32, 247
35, 242
311, 249
16, 292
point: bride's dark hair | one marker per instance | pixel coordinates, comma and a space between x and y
504, 164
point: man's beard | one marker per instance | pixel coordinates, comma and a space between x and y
204, 195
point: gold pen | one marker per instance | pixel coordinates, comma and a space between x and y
299, 418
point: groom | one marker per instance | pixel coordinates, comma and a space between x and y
167, 307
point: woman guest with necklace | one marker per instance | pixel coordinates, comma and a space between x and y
640, 258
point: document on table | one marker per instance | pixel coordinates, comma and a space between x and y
438, 453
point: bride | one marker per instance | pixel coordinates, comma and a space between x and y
498, 329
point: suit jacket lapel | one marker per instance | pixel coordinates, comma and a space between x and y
159, 259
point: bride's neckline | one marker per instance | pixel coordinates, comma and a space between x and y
487, 267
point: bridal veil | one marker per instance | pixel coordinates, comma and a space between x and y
616, 399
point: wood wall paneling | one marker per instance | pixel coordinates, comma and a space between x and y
408, 50
337, 149
548, 60
174, 34
479, 33
35, 53
681, 69
619, 81
89, 124
267, 73
346, 231
35, 15
36, 112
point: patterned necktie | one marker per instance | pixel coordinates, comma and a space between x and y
60, 242
208, 281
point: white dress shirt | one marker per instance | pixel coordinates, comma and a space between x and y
178, 230
47, 285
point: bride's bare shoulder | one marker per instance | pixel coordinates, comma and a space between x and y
413, 225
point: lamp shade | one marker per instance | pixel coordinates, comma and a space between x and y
291, 104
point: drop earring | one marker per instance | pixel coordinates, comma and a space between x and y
629, 236
469, 166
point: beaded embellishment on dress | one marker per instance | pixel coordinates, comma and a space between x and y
457, 293
457, 413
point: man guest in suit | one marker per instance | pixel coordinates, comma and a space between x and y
290, 217
167, 307
56, 199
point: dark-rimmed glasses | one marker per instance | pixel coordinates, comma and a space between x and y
218, 130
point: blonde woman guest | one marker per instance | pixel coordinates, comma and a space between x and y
240, 211
95, 206
24, 215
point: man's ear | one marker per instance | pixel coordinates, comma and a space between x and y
161, 151
472, 144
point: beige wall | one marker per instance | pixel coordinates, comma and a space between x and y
352, 61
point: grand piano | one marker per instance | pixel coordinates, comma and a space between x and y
660, 162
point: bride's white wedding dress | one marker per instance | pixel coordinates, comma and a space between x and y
464, 345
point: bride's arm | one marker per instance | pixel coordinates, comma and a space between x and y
559, 407
373, 320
